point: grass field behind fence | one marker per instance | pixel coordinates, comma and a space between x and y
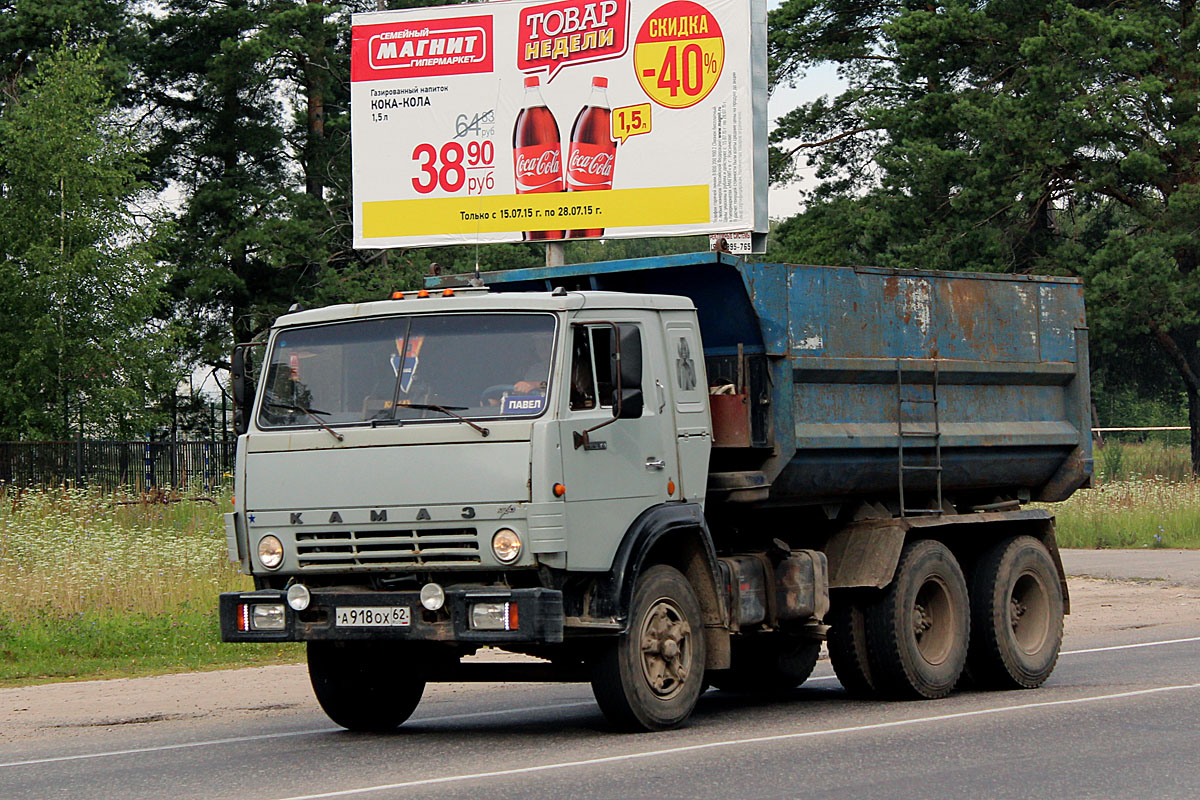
101, 585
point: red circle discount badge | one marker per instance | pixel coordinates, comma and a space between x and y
678, 54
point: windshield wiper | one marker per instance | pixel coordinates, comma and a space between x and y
448, 411
311, 412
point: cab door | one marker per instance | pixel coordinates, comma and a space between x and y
626, 465
687, 386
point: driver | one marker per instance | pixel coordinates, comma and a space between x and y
536, 372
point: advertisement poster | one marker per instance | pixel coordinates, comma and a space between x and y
542, 121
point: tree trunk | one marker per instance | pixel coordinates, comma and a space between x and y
1194, 424
314, 89
1183, 356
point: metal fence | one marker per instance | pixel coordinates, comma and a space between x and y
110, 464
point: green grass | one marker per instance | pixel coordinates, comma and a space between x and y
105, 584
1132, 513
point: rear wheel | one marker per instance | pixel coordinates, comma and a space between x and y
917, 632
651, 677
1016, 615
364, 686
767, 664
848, 647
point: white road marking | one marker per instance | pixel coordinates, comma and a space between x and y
1129, 646
691, 748
450, 717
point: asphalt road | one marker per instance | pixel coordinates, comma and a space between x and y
1117, 719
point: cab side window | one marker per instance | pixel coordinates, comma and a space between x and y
583, 380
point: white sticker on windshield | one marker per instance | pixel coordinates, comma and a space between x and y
523, 404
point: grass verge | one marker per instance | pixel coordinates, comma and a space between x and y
106, 585
93, 645
1137, 513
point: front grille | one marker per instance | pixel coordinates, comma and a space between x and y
387, 549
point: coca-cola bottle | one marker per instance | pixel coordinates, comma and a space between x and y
592, 153
537, 151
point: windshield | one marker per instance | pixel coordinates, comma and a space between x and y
474, 365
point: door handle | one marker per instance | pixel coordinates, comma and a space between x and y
656, 463
662, 396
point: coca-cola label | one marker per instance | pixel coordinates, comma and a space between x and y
590, 166
538, 168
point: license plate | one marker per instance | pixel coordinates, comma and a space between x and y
373, 617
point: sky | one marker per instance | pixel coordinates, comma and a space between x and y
783, 202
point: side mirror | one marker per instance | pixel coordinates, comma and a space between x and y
243, 390
627, 364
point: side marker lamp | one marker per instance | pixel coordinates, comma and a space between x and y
559, 490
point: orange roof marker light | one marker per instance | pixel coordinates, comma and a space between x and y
397, 295
423, 293
447, 293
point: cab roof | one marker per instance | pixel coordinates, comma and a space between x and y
478, 300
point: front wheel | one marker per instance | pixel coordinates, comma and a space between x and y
1016, 615
917, 633
651, 676
364, 686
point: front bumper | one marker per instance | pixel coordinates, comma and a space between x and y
539, 616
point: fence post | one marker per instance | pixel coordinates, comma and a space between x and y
174, 434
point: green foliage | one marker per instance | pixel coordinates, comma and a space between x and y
80, 276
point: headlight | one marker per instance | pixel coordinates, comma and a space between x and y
270, 552
298, 596
506, 546
433, 596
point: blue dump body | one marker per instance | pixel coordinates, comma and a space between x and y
839, 366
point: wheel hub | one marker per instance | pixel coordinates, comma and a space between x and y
665, 647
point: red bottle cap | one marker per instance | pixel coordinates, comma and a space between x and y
532, 80
601, 82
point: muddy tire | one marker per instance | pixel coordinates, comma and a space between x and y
1016, 616
363, 686
768, 665
847, 644
650, 678
918, 631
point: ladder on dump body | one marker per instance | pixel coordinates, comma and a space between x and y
923, 433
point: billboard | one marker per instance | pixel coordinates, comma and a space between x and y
529, 120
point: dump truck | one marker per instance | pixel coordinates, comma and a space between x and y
659, 476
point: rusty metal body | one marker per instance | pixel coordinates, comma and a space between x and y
837, 367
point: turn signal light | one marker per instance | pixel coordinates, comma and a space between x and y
559, 490
671, 488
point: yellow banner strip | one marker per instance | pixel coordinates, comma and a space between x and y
614, 208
